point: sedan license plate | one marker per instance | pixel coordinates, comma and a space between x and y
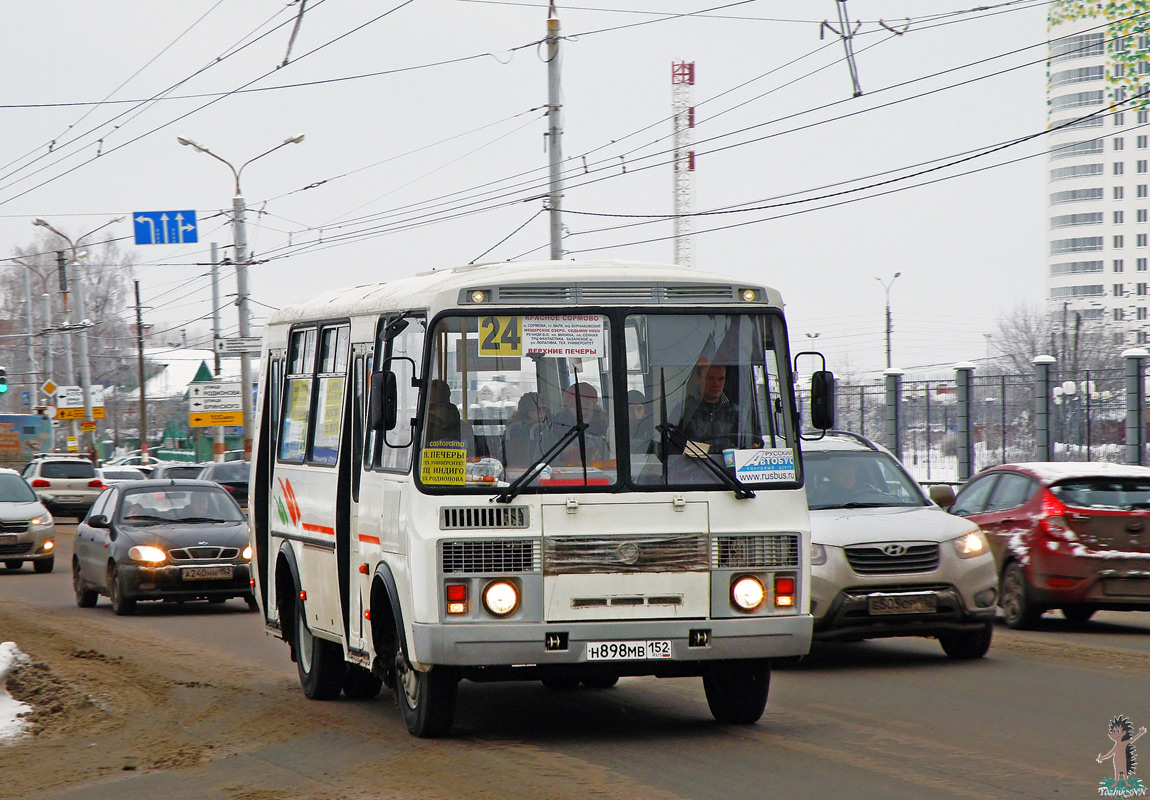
206, 573
9, 538
902, 604
628, 651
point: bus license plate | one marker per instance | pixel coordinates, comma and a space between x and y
628, 651
903, 604
206, 573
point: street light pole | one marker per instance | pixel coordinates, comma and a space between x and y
85, 367
238, 218
886, 285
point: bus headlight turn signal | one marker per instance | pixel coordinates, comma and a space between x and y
747, 593
500, 598
456, 595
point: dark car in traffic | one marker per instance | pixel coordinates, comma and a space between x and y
162, 540
1065, 535
176, 469
232, 475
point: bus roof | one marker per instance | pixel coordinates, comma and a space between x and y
533, 283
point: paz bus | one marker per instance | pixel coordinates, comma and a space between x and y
560, 471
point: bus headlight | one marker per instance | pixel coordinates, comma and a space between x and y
143, 552
747, 593
500, 598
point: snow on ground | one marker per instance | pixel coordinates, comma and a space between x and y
11, 725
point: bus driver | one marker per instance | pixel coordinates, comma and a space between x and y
709, 417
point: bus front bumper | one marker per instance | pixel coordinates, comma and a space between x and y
558, 643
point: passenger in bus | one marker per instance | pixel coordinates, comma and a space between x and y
443, 421
521, 437
709, 417
595, 436
642, 431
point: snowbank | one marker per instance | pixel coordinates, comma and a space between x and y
11, 725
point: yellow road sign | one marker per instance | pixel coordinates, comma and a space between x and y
209, 419
70, 413
97, 412
88, 425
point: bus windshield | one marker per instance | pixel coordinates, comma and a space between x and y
571, 403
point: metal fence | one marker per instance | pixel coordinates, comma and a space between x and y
928, 420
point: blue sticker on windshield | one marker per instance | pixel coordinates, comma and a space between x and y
764, 466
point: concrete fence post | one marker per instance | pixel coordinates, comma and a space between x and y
1043, 449
964, 393
893, 381
1134, 367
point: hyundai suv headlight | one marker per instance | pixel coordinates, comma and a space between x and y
971, 544
818, 555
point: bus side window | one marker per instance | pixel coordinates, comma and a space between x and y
393, 449
297, 396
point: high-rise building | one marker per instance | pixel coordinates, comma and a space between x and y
1099, 166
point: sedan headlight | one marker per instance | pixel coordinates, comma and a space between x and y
818, 555
247, 554
971, 544
144, 552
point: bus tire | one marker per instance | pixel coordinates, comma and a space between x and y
360, 683
426, 699
319, 662
737, 690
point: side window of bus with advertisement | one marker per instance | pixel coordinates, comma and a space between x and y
297, 396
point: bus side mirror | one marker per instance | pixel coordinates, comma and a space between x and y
822, 400
384, 401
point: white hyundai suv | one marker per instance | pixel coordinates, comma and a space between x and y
885, 560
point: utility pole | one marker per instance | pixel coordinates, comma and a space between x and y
554, 133
683, 116
238, 218
140, 375
218, 431
886, 286
847, 34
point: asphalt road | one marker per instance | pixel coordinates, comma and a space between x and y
886, 719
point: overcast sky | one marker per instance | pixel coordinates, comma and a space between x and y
425, 147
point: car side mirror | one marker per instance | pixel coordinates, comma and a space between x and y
98, 521
942, 495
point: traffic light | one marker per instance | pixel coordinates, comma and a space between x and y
3, 381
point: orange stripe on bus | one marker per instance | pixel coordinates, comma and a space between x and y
369, 539
318, 529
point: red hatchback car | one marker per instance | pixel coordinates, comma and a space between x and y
1072, 536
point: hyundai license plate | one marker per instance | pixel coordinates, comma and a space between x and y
206, 573
902, 604
628, 651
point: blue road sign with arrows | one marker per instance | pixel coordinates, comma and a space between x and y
165, 227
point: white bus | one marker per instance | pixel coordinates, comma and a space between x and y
560, 471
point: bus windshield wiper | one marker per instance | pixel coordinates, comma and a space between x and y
519, 484
692, 450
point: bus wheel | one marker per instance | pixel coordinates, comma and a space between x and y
359, 683
737, 690
426, 699
318, 661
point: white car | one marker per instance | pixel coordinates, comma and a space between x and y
27, 531
885, 560
118, 474
66, 485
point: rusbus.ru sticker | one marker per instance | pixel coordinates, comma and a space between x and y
763, 466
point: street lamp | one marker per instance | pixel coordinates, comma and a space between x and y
238, 210
85, 367
886, 285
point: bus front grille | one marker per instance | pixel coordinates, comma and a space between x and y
774, 550
580, 555
454, 518
507, 555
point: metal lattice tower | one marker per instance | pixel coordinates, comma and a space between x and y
683, 114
